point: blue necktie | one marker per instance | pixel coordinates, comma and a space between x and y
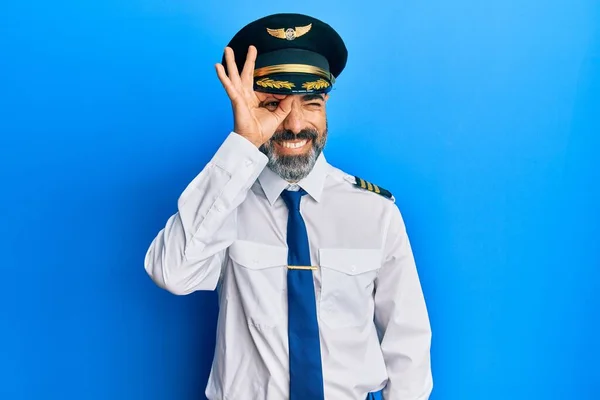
306, 375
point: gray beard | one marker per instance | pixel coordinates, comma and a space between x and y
294, 168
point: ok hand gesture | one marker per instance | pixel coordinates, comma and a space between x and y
251, 119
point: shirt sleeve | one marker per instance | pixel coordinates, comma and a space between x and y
402, 319
187, 254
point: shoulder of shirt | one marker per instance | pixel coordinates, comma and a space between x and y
360, 184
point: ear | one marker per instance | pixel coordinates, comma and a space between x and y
326, 97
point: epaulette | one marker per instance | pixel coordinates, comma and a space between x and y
361, 183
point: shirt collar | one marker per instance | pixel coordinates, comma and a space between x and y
272, 184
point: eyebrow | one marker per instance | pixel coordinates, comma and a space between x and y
315, 96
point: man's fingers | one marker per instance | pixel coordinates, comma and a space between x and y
263, 96
284, 108
232, 69
248, 71
226, 82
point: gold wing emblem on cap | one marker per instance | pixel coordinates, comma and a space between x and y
290, 34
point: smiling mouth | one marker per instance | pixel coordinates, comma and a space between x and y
293, 146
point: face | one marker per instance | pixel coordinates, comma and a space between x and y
300, 139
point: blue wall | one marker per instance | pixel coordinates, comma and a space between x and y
481, 116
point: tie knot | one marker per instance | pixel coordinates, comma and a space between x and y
292, 198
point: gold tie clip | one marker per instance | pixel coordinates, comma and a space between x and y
306, 267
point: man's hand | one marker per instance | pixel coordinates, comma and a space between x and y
251, 120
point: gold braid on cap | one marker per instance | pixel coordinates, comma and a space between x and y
316, 85
270, 83
293, 68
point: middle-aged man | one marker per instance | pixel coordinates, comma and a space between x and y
319, 296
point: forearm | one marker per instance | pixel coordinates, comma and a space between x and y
408, 363
187, 254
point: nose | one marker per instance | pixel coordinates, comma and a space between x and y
294, 121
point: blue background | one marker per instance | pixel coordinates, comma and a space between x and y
480, 116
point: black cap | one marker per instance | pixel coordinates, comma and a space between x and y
297, 54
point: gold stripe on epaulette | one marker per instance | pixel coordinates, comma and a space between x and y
371, 187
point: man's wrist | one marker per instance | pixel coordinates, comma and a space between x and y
252, 139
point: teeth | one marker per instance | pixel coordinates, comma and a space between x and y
292, 145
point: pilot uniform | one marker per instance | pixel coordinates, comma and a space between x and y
358, 323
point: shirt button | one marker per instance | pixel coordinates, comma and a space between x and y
249, 163
353, 268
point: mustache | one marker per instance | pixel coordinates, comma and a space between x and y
307, 134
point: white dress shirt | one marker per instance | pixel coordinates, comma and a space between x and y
230, 234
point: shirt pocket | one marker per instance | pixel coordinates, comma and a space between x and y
347, 281
260, 275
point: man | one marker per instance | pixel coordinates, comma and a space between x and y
319, 295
